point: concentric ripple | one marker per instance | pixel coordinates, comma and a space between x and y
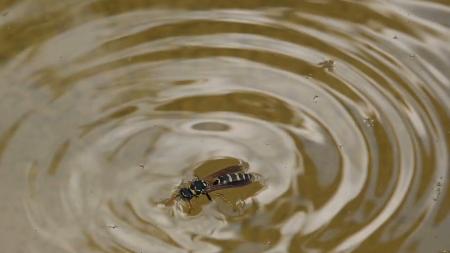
342, 107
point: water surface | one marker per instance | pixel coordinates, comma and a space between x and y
341, 106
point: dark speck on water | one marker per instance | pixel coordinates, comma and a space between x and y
315, 99
327, 64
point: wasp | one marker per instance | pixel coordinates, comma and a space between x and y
229, 177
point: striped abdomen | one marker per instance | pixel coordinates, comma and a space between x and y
234, 178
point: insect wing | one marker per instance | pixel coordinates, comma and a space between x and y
229, 185
227, 170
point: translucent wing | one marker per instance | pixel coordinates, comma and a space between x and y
242, 167
235, 184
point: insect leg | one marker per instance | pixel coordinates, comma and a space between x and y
171, 200
241, 205
208, 196
226, 201
190, 206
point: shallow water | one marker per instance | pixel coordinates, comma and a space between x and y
342, 107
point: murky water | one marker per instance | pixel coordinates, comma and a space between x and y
342, 107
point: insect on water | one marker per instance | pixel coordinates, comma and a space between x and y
229, 177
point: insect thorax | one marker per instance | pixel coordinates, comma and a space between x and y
199, 186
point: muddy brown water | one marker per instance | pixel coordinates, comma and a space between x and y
342, 107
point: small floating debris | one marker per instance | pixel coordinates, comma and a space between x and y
438, 189
315, 99
369, 122
327, 65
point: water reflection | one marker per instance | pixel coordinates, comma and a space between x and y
211, 126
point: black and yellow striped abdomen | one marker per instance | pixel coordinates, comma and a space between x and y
234, 178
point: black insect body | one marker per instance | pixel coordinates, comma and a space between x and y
196, 188
200, 187
229, 177
186, 194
